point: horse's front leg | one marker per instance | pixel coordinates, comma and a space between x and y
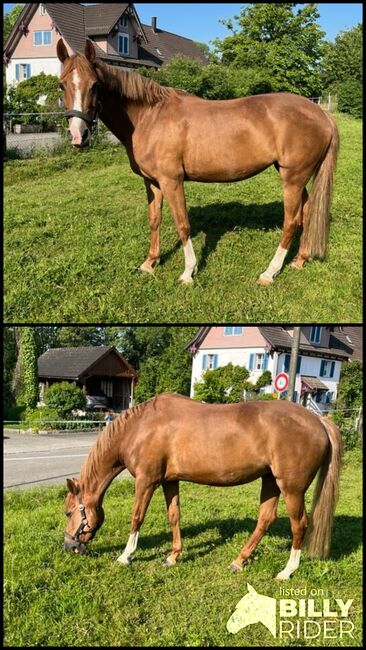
143, 493
155, 201
171, 493
174, 193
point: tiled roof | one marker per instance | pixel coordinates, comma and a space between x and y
69, 22
313, 383
71, 363
100, 18
170, 44
350, 336
280, 339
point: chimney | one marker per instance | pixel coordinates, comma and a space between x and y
153, 24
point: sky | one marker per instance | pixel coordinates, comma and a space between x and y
199, 21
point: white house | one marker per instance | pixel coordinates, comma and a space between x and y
322, 351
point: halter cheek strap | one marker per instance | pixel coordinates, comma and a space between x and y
83, 523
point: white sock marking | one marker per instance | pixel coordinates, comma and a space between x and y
275, 265
190, 261
131, 546
291, 566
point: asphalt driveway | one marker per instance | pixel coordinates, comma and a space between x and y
33, 459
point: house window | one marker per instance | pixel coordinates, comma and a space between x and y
210, 361
315, 334
123, 43
124, 21
233, 331
42, 10
22, 71
258, 361
42, 37
327, 368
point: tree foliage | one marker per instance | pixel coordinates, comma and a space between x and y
10, 18
64, 397
29, 363
24, 97
281, 43
226, 385
343, 58
350, 389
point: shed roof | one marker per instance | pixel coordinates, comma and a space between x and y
71, 363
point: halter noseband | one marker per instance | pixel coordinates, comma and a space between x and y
91, 117
83, 524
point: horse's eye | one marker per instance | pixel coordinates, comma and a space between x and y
68, 514
95, 87
62, 87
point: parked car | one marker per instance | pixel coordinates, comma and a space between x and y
98, 402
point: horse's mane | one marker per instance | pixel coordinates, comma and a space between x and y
108, 438
132, 85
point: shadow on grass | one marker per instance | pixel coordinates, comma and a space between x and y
346, 538
217, 219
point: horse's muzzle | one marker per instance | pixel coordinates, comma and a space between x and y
74, 546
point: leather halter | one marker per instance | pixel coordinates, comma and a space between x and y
91, 117
83, 524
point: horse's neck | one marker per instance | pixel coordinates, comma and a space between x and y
120, 116
106, 464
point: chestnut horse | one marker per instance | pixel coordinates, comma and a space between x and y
172, 136
171, 438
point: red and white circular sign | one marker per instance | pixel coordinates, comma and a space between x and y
281, 382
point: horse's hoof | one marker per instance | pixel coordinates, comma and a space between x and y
185, 280
264, 281
146, 268
235, 567
168, 563
282, 576
298, 265
124, 560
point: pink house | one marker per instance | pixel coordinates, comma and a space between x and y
115, 28
323, 349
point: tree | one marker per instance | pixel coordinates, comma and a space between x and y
281, 45
350, 389
224, 385
10, 353
64, 397
343, 58
10, 18
25, 379
25, 96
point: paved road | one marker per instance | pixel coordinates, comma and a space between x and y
31, 459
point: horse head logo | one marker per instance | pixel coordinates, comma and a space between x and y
253, 608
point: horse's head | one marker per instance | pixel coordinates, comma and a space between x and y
84, 518
81, 89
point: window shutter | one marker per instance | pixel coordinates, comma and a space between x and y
322, 368
286, 365
216, 360
295, 395
265, 361
332, 369
204, 360
28, 70
251, 362
17, 71
298, 365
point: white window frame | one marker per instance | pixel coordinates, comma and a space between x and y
210, 362
23, 71
124, 20
42, 10
233, 328
128, 43
327, 368
315, 329
42, 31
258, 360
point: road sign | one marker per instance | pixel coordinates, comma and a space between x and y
281, 382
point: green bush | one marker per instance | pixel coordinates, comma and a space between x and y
350, 97
38, 416
16, 413
63, 397
24, 98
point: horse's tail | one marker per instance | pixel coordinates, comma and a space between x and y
319, 531
316, 229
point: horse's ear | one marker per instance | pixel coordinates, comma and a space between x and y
251, 589
62, 51
73, 485
90, 51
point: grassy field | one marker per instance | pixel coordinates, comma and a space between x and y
76, 230
59, 599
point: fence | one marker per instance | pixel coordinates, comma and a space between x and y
330, 102
53, 426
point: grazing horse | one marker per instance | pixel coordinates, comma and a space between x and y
172, 136
171, 438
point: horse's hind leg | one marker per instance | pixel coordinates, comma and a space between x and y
171, 493
267, 515
299, 521
155, 200
174, 193
303, 254
143, 494
292, 194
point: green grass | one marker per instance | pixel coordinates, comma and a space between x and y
60, 599
76, 230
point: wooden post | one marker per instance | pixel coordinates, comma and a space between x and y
293, 363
